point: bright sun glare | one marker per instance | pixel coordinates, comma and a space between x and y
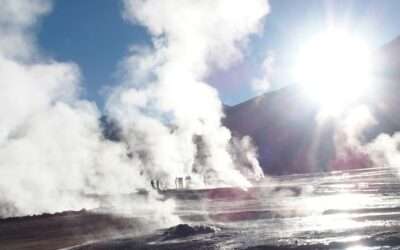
335, 69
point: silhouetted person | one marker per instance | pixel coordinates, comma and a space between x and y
179, 182
152, 184
188, 179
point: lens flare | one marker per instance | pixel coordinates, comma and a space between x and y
335, 69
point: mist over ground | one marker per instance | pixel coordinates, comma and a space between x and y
106, 174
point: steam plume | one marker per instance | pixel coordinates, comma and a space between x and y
263, 84
353, 150
351, 147
53, 156
164, 103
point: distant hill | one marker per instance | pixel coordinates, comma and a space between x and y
282, 123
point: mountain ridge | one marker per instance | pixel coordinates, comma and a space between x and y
283, 123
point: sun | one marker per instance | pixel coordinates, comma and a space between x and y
335, 69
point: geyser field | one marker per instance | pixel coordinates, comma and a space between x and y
137, 149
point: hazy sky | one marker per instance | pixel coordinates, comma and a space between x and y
93, 34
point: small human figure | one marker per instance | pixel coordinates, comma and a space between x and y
152, 184
188, 180
180, 182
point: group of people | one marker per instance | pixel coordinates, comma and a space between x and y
180, 183
155, 184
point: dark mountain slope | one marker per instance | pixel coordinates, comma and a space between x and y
283, 123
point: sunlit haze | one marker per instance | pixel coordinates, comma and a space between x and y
334, 68
187, 124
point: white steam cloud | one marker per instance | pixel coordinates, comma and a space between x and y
53, 155
263, 83
352, 149
164, 107
385, 151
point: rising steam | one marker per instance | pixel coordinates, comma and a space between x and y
52, 152
170, 117
53, 155
353, 150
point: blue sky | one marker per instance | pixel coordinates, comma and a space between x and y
93, 34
